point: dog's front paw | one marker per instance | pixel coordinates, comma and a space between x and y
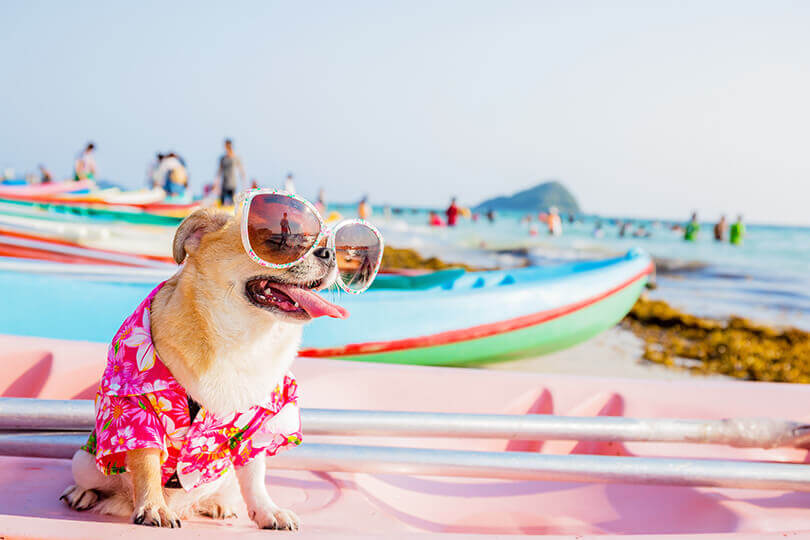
273, 517
80, 499
218, 511
155, 515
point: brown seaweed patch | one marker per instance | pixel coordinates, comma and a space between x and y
735, 347
403, 258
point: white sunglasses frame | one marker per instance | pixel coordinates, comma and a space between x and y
243, 201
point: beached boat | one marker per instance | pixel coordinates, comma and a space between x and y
465, 319
52, 188
593, 471
151, 214
112, 204
114, 196
36, 246
485, 316
146, 240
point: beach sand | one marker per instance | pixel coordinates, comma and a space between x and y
613, 353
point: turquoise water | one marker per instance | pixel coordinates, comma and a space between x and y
767, 278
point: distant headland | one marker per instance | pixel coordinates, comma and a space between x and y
536, 199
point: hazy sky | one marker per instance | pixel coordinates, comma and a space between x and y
640, 108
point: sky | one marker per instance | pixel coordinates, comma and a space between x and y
647, 109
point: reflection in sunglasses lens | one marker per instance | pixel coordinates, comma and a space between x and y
281, 229
358, 250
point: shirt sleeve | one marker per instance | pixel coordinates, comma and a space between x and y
125, 423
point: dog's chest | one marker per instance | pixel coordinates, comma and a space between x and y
245, 374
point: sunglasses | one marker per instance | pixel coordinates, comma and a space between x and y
279, 229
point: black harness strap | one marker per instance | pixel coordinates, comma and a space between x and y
193, 410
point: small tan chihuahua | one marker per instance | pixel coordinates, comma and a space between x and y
197, 383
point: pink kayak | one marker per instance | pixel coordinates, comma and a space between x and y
397, 504
53, 188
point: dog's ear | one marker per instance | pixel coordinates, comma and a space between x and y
193, 228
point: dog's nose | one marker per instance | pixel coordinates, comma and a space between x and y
324, 254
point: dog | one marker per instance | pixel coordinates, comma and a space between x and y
224, 333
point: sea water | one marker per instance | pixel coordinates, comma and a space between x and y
766, 279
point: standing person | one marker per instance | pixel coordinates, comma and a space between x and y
737, 232
554, 222
285, 230
690, 234
720, 229
84, 168
45, 176
452, 213
363, 209
153, 178
491, 215
171, 175
229, 165
289, 185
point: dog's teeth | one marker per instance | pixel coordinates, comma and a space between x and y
295, 304
268, 291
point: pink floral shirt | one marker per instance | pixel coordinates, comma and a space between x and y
140, 404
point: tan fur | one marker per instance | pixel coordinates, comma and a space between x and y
193, 228
150, 504
227, 353
203, 327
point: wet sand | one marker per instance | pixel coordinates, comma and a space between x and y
613, 353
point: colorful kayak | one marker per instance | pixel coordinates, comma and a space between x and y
414, 282
123, 213
23, 245
485, 316
115, 196
394, 502
464, 319
143, 240
38, 190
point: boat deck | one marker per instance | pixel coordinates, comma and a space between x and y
350, 504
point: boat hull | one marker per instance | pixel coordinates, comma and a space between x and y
552, 331
479, 317
161, 215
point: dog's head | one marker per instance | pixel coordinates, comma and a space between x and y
211, 244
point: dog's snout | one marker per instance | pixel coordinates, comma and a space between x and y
325, 254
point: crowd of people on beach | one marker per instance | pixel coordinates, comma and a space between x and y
736, 232
84, 168
689, 232
552, 222
169, 172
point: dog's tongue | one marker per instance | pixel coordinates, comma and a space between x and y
313, 303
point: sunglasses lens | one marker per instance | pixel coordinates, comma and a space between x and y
281, 229
358, 250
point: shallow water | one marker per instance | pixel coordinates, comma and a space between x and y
766, 279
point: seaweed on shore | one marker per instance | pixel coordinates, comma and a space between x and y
403, 258
735, 347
